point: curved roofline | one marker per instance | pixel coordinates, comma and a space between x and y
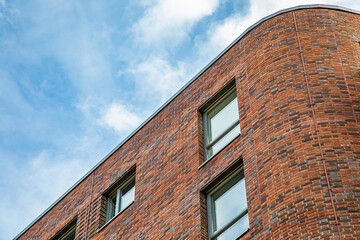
333, 7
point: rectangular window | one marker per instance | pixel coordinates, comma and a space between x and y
67, 233
70, 235
121, 197
221, 122
227, 209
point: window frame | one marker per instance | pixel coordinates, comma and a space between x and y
72, 230
118, 191
224, 185
210, 106
63, 233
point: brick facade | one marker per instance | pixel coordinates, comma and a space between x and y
297, 78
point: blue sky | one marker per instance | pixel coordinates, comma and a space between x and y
76, 77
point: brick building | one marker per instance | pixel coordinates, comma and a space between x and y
263, 143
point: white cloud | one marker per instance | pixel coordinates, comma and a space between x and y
52, 175
221, 34
72, 35
345, 3
157, 80
33, 186
171, 20
7, 14
119, 118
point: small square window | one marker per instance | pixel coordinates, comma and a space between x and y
221, 123
120, 198
227, 209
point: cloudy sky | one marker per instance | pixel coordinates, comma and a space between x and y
76, 77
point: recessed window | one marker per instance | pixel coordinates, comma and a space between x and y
221, 122
67, 233
227, 209
121, 197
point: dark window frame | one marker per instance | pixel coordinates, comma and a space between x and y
223, 180
212, 104
128, 179
66, 230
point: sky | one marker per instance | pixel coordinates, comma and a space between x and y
77, 77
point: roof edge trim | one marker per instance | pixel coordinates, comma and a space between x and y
299, 7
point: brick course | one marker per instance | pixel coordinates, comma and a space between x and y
299, 116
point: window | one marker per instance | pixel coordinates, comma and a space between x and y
227, 209
67, 233
70, 235
221, 122
121, 197
118, 197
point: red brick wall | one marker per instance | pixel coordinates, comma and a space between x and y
299, 112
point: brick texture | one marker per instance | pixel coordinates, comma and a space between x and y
298, 85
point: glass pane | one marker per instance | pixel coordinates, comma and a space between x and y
236, 230
111, 206
224, 140
70, 235
223, 119
127, 198
230, 204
